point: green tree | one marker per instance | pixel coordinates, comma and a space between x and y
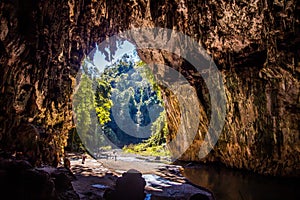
103, 103
83, 101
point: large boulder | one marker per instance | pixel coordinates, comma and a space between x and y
19, 180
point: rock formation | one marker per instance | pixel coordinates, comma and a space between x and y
19, 180
254, 43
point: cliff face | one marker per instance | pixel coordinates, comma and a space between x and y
254, 44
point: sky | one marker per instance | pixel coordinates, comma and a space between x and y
126, 47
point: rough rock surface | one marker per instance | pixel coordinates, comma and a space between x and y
19, 180
254, 43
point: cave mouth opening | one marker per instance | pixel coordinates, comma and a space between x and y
118, 106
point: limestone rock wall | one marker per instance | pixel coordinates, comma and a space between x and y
254, 44
42, 45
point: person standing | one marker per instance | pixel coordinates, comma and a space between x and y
83, 158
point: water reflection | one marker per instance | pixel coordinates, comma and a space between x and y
228, 184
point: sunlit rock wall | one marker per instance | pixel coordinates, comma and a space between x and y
255, 44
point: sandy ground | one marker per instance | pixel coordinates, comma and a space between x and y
90, 173
124, 161
103, 172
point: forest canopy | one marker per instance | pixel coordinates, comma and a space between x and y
120, 106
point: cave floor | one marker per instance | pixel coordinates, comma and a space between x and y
90, 173
163, 181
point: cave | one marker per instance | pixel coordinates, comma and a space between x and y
254, 46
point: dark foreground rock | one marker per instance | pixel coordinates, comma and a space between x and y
19, 180
181, 192
130, 186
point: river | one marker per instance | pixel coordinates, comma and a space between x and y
230, 184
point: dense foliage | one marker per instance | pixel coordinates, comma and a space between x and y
121, 105
133, 94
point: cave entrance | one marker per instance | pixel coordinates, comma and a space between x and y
119, 112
